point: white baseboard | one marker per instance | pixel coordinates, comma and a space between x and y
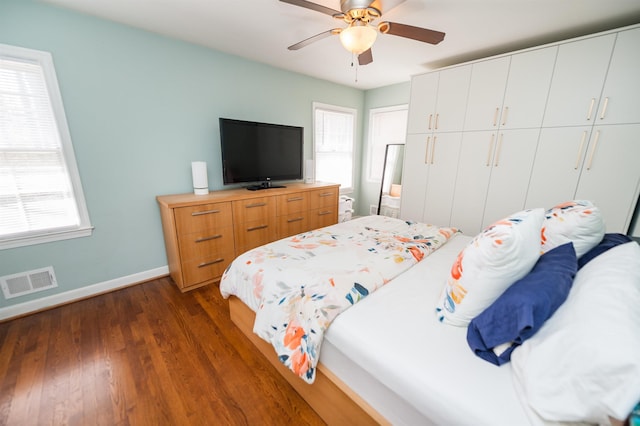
80, 293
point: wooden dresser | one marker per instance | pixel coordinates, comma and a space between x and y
204, 233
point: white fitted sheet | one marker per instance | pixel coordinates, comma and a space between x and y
394, 338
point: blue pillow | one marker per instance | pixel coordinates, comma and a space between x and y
609, 241
522, 309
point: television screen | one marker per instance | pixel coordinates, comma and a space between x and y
260, 152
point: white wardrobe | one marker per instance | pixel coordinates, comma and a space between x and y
529, 129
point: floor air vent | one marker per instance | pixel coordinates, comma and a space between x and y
28, 282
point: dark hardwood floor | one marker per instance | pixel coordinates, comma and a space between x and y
144, 355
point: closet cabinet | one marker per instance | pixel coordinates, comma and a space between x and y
541, 126
599, 164
428, 189
438, 101
510, 92
493, 175
579, 73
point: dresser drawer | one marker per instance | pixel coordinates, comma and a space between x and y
207, 216
292, 203
327, 197
292, 224
206, 243
211, 268
253, 209
255, 233
322, 217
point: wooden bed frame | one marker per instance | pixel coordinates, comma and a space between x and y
331, 398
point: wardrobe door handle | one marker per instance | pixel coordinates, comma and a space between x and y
430, 117
593, 151
593, 102
433, 148
490, 149
426, 151
584, 138
505, 114
495, 116
604, 108
437, 120
498, 149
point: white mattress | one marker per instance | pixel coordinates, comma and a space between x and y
409, 366
390, 349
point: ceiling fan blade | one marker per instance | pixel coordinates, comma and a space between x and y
365, 57
314, 38
312, 6
408, 31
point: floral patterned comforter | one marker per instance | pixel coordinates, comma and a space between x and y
298, 285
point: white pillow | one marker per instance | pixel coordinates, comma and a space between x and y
496, 258
578, 221
583, 365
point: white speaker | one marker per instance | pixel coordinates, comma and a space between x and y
199, 175
309, 172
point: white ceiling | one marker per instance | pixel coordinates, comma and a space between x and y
261, 30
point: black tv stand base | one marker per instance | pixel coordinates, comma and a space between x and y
263, 185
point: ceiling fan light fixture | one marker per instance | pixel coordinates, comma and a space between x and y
358, 37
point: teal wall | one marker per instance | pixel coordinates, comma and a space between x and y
140, 108
397, 94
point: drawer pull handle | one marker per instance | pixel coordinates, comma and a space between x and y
326, 194
205, 212
213, 237
213, 262
324, 213
297, 219
295, 199
255, 228
249, 206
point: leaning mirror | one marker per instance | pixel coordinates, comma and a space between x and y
391, 187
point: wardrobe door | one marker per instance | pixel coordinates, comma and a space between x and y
610, 175
472, 181
558, 162
577, 81
443, 164
486, 93
621, 95
414, 176
512, 165
527, 88
453, 88
422, 105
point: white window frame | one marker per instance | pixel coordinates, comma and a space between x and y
372, 145
83, 228
345, 110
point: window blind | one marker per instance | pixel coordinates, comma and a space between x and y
36, 190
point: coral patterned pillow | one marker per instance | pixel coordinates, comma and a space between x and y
579, 222
496, 258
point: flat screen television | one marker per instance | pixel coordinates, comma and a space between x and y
260, 152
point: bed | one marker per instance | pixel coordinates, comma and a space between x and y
394, 357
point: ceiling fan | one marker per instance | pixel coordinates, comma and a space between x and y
360, 35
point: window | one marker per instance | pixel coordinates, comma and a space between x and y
41, 197
386, 125
334, 132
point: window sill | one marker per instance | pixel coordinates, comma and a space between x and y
46, 237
